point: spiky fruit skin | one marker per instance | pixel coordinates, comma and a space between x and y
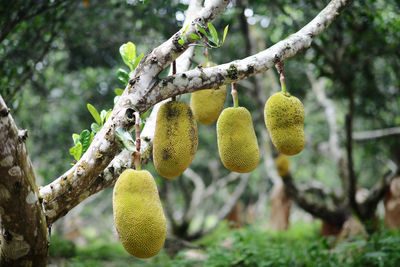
237, 141
175, 139
207, 104
284, 118
282, 165
138, 214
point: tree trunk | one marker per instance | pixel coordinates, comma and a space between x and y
24, 238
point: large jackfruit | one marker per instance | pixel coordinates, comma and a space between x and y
207, 104
282, 165
138, 214
237, 141
284, 118
175, 139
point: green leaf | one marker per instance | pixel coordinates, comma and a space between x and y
125, 138
186, 28
75, 137
137, 60
94, 113
201, 30
130, 51
123, 76
85, 139
118, 91
181, 41
103, 116
76, 151
225, 33
124, 56
95, 128
145, 115
194, 36
108, 115
213, 32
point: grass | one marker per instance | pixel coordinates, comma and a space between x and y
249, 246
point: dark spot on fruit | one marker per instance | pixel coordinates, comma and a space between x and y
166, 154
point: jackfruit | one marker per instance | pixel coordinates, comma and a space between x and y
138, 214
175, 139
207, 104
237, 141
284, 118
282, 165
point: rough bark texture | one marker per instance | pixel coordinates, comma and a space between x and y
24, 238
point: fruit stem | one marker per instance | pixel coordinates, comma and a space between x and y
136, 155
235, 96
173, 73
281, 71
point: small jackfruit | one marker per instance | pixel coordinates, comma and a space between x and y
284, 118
138, 214
282, 165
175, 139
207, 104
237, 141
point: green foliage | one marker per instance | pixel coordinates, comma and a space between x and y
212, 39
128, 54
300, 246
61, 247
82, 141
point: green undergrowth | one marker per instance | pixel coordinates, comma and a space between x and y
248, 246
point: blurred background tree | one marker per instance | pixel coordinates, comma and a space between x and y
56, 56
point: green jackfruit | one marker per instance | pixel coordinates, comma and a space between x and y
284, 118
282, 165
175, 139
207, 104
237, 141
138, 214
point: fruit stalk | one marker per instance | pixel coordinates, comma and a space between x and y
235, 96
173, 73
138, 166
281, 71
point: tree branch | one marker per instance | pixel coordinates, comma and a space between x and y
352, 178
145, 90
336, 216
24, 238
214, 77
375, 134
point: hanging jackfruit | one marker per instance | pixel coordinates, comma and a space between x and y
237, 141
282, 165
138, 214
175, 139
284, 118
207, 104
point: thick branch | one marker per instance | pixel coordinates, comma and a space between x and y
234, 71
318, 209
368, 207
24, 238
